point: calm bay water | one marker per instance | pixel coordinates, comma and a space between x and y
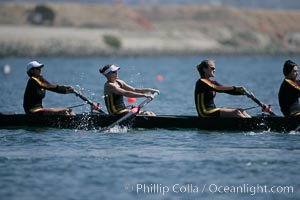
148, 164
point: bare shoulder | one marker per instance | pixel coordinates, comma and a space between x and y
108, 86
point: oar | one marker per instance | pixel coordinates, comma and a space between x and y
132, 112
265, 107
76, 105
87, 101
250, 108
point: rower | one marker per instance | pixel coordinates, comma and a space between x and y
115, 90
36, 90
289, 91
205, 92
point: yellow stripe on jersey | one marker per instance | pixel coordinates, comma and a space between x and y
217, 87
293, 84
201, 107
43, 84
111, 107
36, 109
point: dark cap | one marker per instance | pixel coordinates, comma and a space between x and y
288, 66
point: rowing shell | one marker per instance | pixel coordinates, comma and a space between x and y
98, 121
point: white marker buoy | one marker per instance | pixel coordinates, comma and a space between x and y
6, 69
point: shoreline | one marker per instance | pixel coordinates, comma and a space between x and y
72, 42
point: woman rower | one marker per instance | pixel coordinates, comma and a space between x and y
289, 91
36, 90
205, 92
115, 89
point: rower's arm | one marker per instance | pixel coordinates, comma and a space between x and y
111, 88
127, 87
220, 88
52, 87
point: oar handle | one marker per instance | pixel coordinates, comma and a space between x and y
265, 107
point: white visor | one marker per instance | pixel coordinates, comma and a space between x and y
33, 64
111, 69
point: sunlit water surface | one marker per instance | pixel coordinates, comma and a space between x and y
144, 163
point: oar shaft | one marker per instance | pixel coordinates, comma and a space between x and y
257, 101
77, 105
146, 101
83, 98
253, 98
86, 100
262, 105
249, 108
128, 115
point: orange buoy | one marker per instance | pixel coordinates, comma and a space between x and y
159, 77
131, 100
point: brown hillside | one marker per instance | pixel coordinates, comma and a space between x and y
149, 29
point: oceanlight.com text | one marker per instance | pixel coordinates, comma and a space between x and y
248, 189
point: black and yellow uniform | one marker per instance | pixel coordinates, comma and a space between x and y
289, 93
205, 92
115, 103
35, 92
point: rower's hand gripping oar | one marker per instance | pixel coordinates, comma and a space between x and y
133, 111
265, 107
78, 94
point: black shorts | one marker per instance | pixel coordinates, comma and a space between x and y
294, 110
